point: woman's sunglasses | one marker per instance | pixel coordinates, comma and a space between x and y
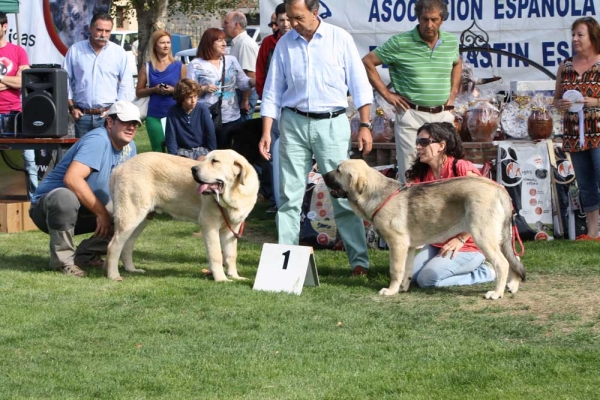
424, 142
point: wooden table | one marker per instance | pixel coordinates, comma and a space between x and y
61, 145
13, 183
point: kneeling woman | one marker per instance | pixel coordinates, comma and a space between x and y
440, 155
190, 131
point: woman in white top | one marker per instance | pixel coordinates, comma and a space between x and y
207, 68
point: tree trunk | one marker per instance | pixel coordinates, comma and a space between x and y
151, 16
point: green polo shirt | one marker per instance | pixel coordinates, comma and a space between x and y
417, 72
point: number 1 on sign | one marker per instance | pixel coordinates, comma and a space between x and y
296, 270
286, 259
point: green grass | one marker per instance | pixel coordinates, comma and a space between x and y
173, 333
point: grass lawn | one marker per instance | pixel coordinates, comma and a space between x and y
174, 333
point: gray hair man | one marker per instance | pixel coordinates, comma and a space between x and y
306, 91
245, 49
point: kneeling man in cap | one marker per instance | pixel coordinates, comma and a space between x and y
74, 197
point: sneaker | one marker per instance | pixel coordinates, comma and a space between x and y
586, 237
272, 209
73, 270
491, 270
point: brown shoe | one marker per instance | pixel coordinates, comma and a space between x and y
359, 270
95, 262
73, 270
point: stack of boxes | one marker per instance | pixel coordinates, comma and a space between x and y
14, 216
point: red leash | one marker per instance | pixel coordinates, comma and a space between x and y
516, 237
385, 202
237, 235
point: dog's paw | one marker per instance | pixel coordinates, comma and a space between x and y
387, 292
492, 295
513, 287
136, 271
405, 286
221, 279
237, 278
117, 278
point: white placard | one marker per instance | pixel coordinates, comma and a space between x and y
286, 268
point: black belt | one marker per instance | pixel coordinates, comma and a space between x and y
94, 111
325, 115
431, 110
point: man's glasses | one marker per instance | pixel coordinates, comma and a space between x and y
424, 142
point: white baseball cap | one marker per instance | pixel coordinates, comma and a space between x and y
126, 111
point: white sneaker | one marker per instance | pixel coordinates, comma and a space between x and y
491, 268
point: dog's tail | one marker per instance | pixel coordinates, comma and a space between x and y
507, 240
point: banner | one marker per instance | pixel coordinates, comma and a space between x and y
48, 27
536, 29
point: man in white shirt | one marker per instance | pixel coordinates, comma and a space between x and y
99, 75
245, 49
305, 90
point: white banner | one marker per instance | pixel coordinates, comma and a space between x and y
34, 36
48, 27
539, 30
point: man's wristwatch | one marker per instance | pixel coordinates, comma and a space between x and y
366, 125
71, 108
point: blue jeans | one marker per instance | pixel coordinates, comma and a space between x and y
253, 100
329, 141
31, 171
60, 214
466, 268
86, 123
587, 172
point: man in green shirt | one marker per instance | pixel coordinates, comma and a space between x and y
425, 69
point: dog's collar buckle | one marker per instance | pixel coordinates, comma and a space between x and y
386, 201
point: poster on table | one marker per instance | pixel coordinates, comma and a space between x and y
524, 170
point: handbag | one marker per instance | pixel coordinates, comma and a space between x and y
215, 108
142, 102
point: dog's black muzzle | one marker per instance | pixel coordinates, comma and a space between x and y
195, 170
335, 188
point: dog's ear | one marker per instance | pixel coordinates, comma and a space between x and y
242, 171
361, 184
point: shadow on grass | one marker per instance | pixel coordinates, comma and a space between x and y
25, 263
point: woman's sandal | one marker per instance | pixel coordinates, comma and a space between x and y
72, 270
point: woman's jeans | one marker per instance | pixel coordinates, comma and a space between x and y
587, 172
466, 268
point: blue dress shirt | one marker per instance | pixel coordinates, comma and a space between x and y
98, 80
315, 76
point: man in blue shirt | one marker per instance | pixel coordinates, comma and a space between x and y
307, 82
98, 76
74, 197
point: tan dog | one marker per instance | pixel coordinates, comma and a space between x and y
218, 193
431, 213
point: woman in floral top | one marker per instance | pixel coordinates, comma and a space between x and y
582, 73
207, 69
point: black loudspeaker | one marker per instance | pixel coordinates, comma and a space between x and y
45, 102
